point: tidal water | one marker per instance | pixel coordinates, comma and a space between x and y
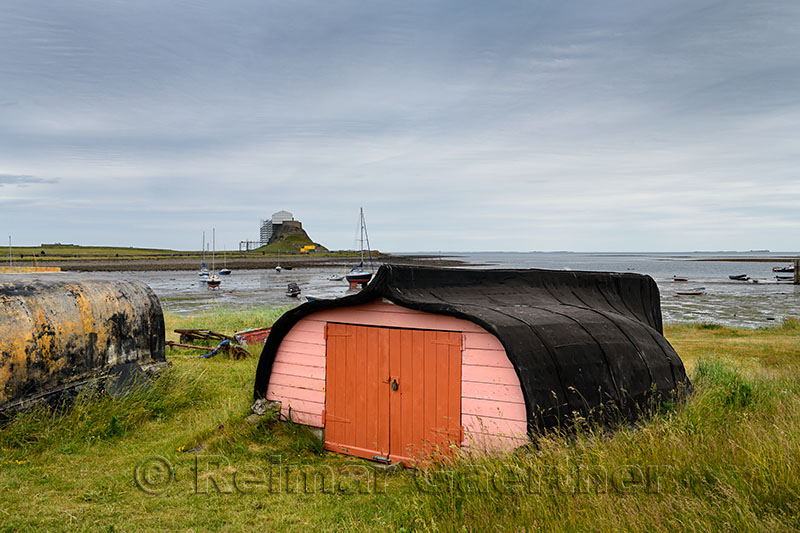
733, 303
726, 302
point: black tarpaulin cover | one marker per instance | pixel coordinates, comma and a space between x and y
586, 343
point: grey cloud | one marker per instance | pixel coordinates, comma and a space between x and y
483, 119
17, 179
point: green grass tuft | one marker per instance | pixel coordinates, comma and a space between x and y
94, 416
224, 320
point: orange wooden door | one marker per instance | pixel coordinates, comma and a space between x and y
356, 391
392, 393
426, 407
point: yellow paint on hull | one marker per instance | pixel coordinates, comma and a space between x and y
53, 332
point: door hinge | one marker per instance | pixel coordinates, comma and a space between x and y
443, 343
329, 334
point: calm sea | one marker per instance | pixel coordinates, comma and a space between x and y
725, 301
728, 302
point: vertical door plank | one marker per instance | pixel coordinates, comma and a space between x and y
395, 404
454, 392
384, 390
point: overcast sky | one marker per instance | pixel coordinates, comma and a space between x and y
588, 126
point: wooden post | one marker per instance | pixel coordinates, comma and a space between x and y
797, 271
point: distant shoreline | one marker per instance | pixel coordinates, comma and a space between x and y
749, 259
238, 263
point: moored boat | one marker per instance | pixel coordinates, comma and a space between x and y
203, 273
359, 275
679, 278
697, 291
293, 290
213, 281
224, 271
739, 277
789, 268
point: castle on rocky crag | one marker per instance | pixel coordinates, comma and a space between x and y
280, 225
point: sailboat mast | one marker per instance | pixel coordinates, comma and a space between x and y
361, 233
203, 251
366, 238
213, 246
10, 263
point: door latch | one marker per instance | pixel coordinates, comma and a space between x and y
394, 384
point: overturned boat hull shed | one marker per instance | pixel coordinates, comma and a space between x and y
56, 334
580, 344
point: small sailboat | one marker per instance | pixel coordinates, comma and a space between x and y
278, 268
359, 275
203, 270
213, 281
224, 271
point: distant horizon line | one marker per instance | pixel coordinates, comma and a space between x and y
449, 252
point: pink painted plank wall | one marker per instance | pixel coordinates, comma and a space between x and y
492, 406
298, 373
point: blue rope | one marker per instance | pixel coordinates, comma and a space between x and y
213, 352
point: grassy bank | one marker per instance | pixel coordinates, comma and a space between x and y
727, 459
102, 258
72, 252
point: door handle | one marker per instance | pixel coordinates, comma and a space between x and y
395, 386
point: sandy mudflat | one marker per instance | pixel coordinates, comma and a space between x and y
238, 263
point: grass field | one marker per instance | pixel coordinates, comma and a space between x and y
69, 252
182, 456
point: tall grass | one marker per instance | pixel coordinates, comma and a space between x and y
224, 320
94, 416
727, 460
